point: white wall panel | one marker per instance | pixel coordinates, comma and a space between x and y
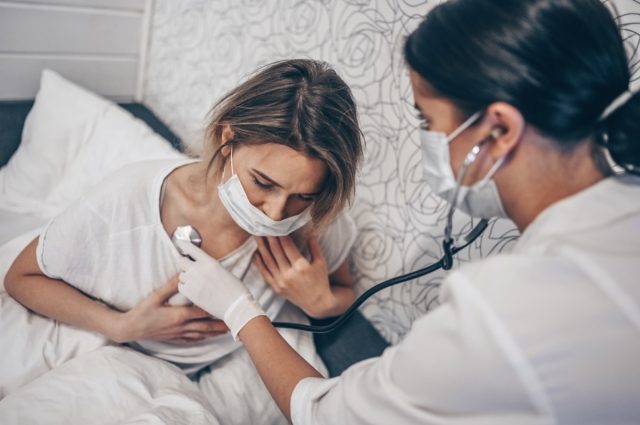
137, 5
100, 44
88, 31
21, 75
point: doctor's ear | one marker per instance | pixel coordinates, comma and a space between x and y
507, 126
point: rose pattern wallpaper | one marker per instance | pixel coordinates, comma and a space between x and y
199, 49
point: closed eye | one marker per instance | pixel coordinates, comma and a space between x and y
306, 198
423, 122
261, 184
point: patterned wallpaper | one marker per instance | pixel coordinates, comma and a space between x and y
202, 48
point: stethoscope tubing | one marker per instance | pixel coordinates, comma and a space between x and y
444, 263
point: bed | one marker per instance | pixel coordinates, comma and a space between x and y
54, 150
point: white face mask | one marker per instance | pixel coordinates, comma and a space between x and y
480, 200
251, 218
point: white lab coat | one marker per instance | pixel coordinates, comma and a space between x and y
548, 334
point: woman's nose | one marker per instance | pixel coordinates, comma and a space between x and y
274, 208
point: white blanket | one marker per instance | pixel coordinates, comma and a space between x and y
52, 373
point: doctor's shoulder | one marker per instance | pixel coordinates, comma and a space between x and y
516, 284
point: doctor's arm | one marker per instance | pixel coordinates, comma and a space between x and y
152, 318
280, 366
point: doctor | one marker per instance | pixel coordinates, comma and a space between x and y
527, 102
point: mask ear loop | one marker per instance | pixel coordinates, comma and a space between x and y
232, 170
224, 169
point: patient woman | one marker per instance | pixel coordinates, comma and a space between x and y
281, 155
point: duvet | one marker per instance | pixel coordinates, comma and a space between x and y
52, 373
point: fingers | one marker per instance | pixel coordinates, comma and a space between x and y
167, 290
290, 249
262, 268
185, 263
205, 326
197, 330
191, 250
276, 250
314, 248
192, 313
267, 258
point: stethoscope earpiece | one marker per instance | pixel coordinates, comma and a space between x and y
497, 132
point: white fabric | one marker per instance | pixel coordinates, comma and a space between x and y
54, 373
549, 334
233, 385
117, 385
71, 140
112, 245
111, 385
31, 344
20, 223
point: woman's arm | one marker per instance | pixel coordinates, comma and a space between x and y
152, 318
306, 283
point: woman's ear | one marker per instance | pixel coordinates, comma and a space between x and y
227, 134
507, 126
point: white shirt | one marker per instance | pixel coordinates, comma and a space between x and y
111, 245
548, 334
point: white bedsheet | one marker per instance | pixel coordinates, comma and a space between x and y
52, 373
57, 374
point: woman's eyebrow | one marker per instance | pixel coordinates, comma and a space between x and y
275, 183
264, 176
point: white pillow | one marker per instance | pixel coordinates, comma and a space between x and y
71, 140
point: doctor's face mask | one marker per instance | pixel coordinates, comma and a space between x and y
479, 200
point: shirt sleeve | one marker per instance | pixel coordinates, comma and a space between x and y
450, 368
69, 248
336, 241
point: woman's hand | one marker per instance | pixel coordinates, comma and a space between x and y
303, 282
153, 318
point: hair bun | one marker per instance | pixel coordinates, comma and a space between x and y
621, 131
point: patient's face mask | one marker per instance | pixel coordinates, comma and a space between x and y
251, 218
479, 200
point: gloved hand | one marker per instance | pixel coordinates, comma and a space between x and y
214, 289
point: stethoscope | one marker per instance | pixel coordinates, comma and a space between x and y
445, 262
190, 234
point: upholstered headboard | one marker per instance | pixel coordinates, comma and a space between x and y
99, 44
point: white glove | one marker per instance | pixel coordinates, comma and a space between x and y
214, 289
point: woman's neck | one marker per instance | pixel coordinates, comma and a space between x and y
528, 187
191, 197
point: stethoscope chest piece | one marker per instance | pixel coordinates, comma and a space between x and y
188, 234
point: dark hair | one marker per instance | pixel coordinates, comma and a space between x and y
302, 104
559, 62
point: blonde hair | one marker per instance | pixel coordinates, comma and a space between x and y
302, 104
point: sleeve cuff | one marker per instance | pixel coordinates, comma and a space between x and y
40, 252
306, 393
